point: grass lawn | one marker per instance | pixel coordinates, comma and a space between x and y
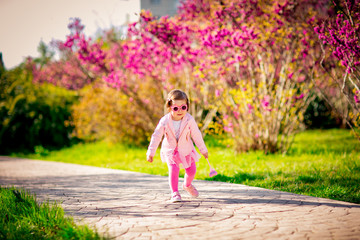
22, 217
321, 163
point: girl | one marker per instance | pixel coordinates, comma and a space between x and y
177, 148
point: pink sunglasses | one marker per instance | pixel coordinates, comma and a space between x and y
176, 108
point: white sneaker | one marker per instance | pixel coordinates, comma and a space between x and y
175, 197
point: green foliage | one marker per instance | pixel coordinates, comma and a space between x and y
46, 54
33, 115
22, 217
318, 115
322, 163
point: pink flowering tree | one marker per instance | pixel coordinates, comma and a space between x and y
258, 59
339, 36
165, 50
104, 63
74, 69
251, 61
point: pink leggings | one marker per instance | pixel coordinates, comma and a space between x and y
174, 176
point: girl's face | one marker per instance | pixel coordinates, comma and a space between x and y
180, 113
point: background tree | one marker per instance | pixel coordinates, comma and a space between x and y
250, 61
32, 115
340, 40
90, 67
255, 59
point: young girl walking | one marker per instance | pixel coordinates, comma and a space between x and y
177, 148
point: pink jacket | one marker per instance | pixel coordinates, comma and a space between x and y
188, 130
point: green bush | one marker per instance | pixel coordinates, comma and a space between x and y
33, 115
319, 116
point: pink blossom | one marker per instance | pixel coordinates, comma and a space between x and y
357, 99
229, 128
290, 75
250, 107
217, 92
265, 102
301, 96
301, 78
236, 114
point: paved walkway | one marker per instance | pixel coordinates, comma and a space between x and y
130, 205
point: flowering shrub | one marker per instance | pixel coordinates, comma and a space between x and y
219, 48
251, 61
258, 57
106, 113
339, 35
164, 50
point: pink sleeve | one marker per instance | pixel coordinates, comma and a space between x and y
197, 137
156, 138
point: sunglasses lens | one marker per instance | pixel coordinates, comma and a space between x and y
175, 109
184, 107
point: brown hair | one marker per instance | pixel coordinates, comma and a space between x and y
176, 94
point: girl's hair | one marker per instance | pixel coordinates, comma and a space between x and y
176, 94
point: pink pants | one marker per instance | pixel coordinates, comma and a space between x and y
174, 176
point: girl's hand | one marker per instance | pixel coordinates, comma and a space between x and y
206, 155
150, 159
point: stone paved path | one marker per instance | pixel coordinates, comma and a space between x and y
129, 205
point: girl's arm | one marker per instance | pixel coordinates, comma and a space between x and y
155, 139
197, 137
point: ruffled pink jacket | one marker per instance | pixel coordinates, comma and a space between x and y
188, 131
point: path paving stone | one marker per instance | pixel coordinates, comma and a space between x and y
127, 205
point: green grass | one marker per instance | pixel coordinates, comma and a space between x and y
321, 163
22, 217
